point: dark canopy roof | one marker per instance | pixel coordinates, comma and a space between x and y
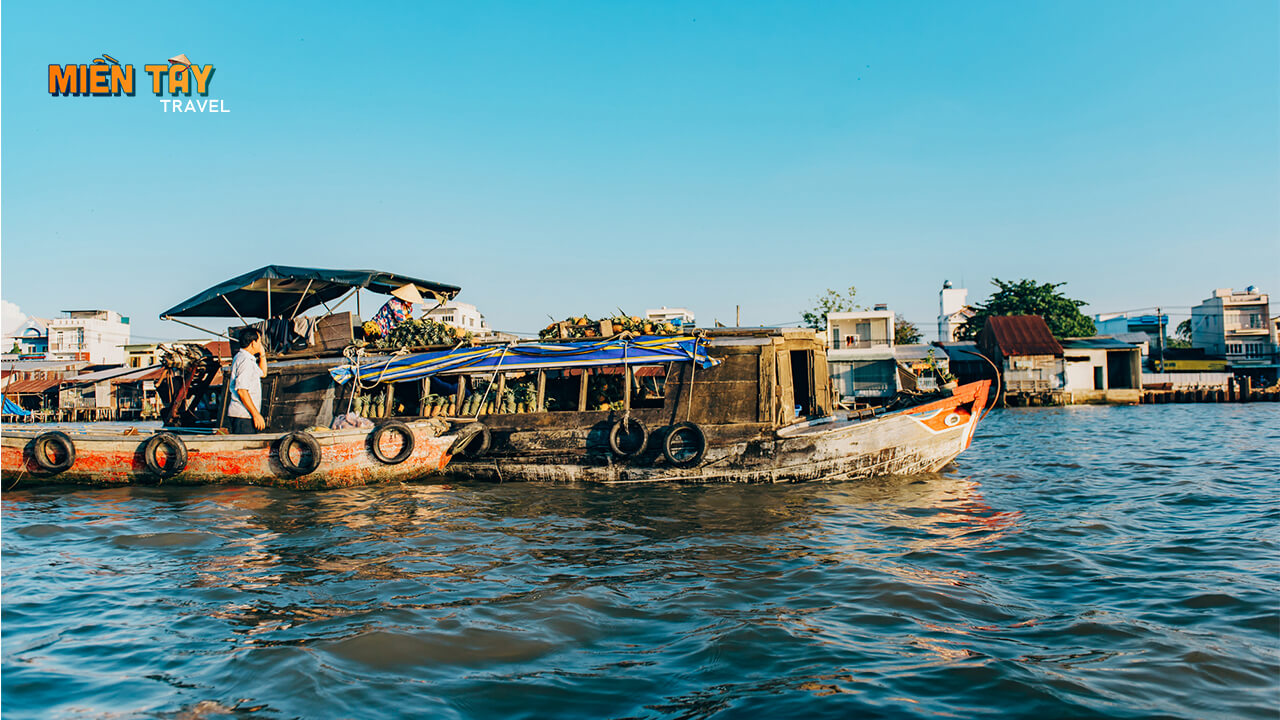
294, 289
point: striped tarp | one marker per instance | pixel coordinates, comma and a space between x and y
533, 356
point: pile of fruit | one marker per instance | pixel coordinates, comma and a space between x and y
584, 327
604, 392
415, 333
436, 405
369, 406
516, 398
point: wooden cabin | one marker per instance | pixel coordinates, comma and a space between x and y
765, 379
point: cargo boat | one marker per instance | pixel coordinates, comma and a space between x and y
732, 405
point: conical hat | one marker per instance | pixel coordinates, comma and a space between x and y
408, 293
179, 60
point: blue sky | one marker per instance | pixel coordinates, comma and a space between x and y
563, 158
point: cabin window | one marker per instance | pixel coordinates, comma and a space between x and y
562, 390
649, 386
605, 388
503, 394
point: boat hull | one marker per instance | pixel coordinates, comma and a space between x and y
346, 459
921, 439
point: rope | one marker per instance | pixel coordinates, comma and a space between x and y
999, 386
626, 378
492, 379
693, 371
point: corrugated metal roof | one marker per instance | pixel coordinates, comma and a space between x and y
916, 352
1133, 338
100, 375
1096, 343
155, 372
23, 387
1020, 335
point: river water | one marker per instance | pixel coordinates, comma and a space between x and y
1075, 562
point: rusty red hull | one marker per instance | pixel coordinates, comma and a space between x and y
346, 459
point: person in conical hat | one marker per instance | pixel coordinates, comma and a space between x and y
398, 308
408, 293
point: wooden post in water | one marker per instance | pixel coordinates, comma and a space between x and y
1246, 389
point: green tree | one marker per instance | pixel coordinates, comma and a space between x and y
1182, 336
832, 301
1028, 297
904, 331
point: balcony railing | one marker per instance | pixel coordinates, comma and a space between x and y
852, 344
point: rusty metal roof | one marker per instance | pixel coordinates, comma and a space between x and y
1019, 335
220, 348
27, 387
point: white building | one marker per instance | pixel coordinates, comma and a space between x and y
463, 316
31, 337
861, 329
98, 336
861, 358
680, 317
952, 311
1235, 325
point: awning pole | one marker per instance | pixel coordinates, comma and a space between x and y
268, 299
340, 303
299, 303
233, 309
197, 327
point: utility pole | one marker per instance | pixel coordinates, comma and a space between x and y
1160, 339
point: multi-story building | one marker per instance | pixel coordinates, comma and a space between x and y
861, 329
463, 316
1237, 325
1156, 327
861, 356
98, 336
952, 311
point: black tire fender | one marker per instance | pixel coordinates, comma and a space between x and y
62, 443
626, 426
684, 433
467, 444
406, 447
308, 443
177, 452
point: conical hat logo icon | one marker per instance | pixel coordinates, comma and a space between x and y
180, 60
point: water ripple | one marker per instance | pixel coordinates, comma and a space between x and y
1076, 562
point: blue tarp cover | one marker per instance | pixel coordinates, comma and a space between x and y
641, 351
13, 408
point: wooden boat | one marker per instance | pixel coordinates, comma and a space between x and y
297, 450
734, 405
305, 460
738, 406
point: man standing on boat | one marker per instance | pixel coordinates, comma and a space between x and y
247, 370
